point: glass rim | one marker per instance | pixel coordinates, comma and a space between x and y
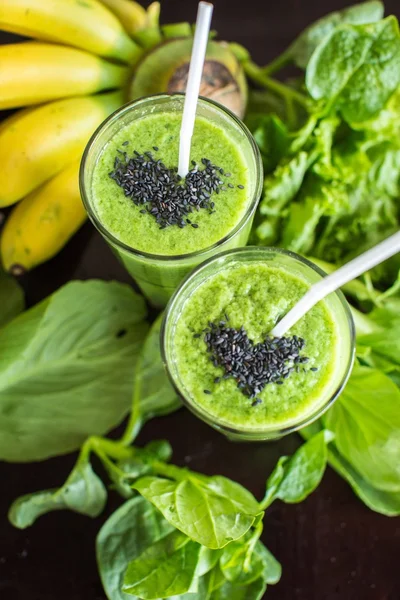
126, 108
273, 432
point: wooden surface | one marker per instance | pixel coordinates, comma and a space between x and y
331, 547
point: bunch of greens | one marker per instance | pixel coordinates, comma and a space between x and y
331, 150
365, 420
179, 532
329, 141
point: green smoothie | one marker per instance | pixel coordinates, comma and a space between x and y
158, 257
141, 231
255, 295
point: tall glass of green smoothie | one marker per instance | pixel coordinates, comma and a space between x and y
226, 367
159, 226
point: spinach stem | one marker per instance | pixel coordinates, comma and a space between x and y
113, 449
133, 426
134, 422
85, 451
170, 471
267, 500
290, 112
251, 545
256, 74
277, 63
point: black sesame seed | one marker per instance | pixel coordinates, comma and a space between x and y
252, 366
159, 190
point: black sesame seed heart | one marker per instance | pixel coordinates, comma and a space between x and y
168, 199
253, 366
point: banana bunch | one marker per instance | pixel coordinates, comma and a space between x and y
86, 59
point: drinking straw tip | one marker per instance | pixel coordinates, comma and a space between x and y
203, 23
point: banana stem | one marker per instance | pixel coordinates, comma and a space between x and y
256, 74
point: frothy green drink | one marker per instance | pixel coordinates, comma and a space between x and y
126, 221
159, 257
252, 289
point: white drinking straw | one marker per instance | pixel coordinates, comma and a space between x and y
203, 23
329, 284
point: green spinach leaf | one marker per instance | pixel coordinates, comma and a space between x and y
386, 503
262, 103
212, 511
247, 559
366, 424
83, 492
231, 591
67, 368
130, 530
205, 587
11, 298
362, 83
164, 569
272, 137
305, 44
240, 563
295, 477
272, 570
153, 394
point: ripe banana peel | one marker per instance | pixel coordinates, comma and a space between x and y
131, 14
37, 143
143, 25
41, 224
84, 24
33, 72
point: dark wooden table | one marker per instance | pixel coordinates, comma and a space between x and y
331, 546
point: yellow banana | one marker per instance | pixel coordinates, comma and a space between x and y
86, 24
41, 224
131, 14
33, 72
37, 143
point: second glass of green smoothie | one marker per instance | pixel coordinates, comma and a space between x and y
158, 257
229, 371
